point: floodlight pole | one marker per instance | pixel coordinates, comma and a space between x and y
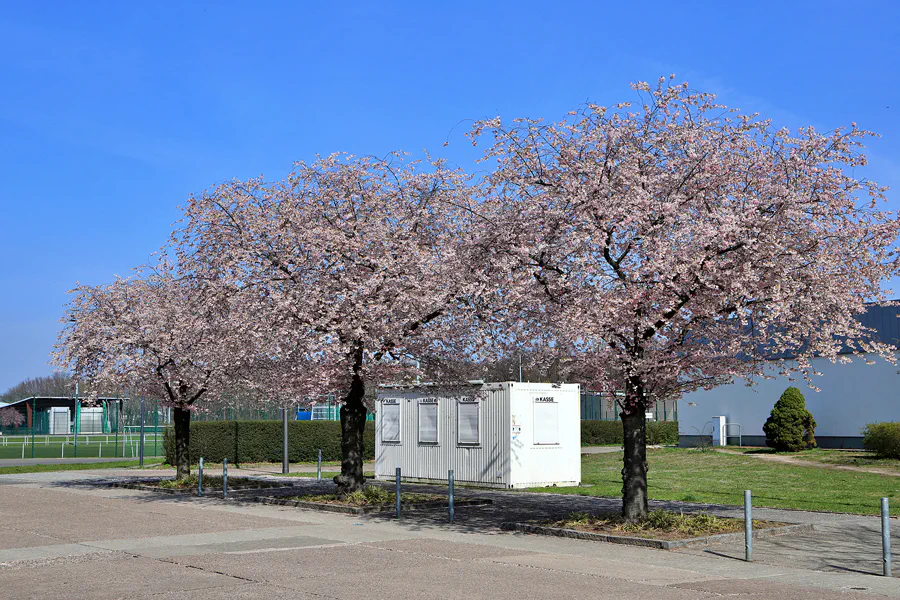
142, 434
285, 466
118, 404
76, 419
33, 421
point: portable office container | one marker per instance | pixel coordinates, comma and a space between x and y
507, 435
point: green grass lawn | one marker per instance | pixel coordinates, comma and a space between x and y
717, 478
121, 464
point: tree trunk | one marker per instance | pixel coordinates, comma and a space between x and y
634, 471
353, 424
182, 419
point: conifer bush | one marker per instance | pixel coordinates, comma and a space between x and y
790, 427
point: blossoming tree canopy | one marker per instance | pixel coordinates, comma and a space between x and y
679, 243
360, 259
162, 334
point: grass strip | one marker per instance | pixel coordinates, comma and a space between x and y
690, 475
122, 464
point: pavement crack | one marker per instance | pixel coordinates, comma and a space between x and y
205, 570
247, 579
409, 552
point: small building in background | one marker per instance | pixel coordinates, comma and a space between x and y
851, 396
506, 435
45, 415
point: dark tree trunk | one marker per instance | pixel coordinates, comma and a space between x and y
182, 419
634, 471
353, 424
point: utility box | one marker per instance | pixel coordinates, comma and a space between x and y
719, 433
505, 435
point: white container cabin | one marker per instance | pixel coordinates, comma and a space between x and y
505, 435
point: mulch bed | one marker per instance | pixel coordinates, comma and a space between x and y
647, 542
375, 508
152, 485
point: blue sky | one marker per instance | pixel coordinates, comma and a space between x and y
111, 114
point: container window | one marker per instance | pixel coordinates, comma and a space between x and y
428, 423
390, 422
467, 424
546, 421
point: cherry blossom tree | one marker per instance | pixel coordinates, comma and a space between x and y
159, 333
10, 417
678, 244
348, 271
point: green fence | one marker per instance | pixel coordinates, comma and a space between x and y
602, 407
102, 445
109, 428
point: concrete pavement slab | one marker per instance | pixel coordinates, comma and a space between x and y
61, 516
756, 589
244, 591
433, 548
108, 577
262, 551
365, 572
618, 569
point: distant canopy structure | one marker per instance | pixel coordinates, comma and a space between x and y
62, 415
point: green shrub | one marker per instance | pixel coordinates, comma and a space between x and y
790, 427
882, 438
599, 433
261, 441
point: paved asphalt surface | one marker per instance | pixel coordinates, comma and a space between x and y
63, 536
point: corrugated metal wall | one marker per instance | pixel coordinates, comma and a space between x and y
486, 463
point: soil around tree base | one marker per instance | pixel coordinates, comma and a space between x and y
241, 485
361, 510
651, 542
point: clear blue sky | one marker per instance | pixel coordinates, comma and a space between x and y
111, 114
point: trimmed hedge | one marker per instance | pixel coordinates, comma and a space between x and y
599, 433
882, 438
260, 441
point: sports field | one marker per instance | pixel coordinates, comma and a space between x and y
94, 445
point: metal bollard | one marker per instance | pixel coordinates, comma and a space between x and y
397, 492
225, 478
885, 537
200, 478
748, 526
450, 493
319, 467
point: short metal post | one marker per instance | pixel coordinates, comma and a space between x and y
397, 491
200, 478
450, 493
748, 526
225, 478
319, 466
885, 537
